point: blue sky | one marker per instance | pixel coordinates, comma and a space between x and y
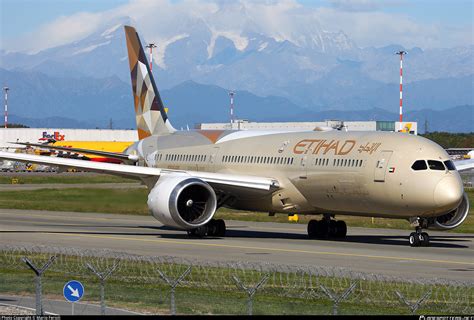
22, 16
454, 12
424, 23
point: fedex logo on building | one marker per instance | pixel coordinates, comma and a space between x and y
56, 136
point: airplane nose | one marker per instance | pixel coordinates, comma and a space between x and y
448, 192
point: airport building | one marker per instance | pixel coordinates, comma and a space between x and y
40, 135
410, 127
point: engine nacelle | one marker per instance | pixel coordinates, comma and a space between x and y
451, 219
183, 202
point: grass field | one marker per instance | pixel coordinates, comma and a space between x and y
63, 178
210, 290
133, 201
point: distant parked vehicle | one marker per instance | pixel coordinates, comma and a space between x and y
44, 168
7, 166
19, 167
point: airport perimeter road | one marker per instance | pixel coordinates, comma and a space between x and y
59, 306
379, 251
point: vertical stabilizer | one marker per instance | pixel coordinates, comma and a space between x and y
149, 110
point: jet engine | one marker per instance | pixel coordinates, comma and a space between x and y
451, 219
183, 202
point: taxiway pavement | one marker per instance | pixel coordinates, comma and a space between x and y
379, 251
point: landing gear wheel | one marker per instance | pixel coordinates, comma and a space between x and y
332, 228
322, 229
414, 239
201, 231
341, 229
312, 232
220, 228
424, 239
212, 228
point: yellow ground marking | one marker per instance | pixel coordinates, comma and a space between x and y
216, 245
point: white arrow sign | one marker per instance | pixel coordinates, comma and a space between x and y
74, 292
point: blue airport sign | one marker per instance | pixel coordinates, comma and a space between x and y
73, 291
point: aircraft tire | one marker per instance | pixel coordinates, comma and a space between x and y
341, 229
212, 228
332, 229
312, 229
424, 239
220, 228
201, 231
322, 229
414, 240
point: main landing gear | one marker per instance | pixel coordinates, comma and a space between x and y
327, 228
214, 228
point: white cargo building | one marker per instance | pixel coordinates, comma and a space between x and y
39, 135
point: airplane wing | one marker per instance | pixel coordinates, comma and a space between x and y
216, 179
464, 165
113, 155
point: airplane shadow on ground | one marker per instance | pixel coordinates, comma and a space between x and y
402, 240
448, 241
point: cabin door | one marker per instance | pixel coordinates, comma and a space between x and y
381, 166
303, 167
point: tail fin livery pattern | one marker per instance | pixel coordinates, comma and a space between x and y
149, 110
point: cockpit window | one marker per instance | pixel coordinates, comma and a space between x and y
436, 165
450, 165
419, 165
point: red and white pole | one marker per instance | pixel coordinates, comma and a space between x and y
401, 53
151, 46
5, 89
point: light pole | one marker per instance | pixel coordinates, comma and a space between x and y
5, 89
151, 46
401, 54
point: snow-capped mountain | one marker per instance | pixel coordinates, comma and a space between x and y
231, 48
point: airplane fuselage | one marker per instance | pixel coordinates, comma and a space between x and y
330, 172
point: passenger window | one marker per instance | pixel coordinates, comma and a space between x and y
435, 165
450, 165
419, 165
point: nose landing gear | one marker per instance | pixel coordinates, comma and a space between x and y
419, 238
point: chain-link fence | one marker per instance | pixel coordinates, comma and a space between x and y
164, 285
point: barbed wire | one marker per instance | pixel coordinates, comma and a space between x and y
301, 282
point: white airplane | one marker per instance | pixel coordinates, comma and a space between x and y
190, 174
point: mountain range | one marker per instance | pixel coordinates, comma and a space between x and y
316, 74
